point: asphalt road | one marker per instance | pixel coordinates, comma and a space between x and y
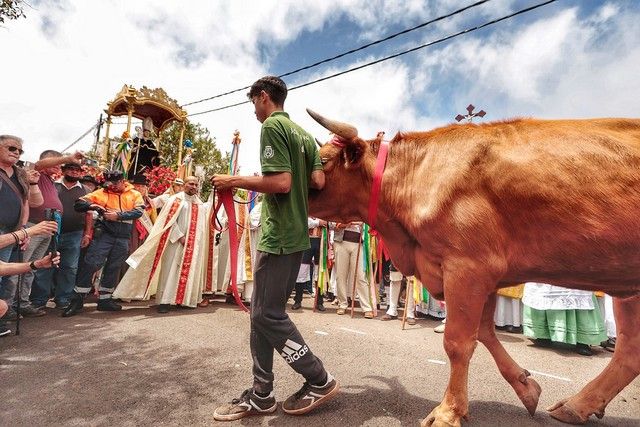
140, 368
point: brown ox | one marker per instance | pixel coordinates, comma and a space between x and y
472, 208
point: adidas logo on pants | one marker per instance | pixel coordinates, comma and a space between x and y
292, 351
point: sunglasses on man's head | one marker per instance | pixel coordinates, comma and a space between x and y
14, 149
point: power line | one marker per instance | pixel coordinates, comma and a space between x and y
349, 52
82, 136
396, 55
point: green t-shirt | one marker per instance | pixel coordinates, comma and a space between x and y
286, 147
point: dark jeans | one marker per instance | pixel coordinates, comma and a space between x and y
272, 329
108, 251
6, 254
59, 281
312, 257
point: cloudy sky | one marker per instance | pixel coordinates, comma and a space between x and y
571, 58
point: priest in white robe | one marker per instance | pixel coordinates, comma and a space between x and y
170, 263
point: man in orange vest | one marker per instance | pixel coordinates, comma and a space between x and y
117, 204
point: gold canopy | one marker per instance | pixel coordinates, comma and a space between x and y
143, 103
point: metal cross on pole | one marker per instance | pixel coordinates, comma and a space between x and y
470, 114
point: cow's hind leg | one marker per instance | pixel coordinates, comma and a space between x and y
621, 370
527, 389
464, 310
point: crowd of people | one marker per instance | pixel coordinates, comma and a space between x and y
63, 238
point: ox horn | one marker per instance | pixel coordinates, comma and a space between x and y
343, 130
320, 144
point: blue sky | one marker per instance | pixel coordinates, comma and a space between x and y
571, 58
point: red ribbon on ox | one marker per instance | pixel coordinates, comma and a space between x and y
226, 199
376, 186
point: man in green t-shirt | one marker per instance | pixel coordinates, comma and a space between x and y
290, 166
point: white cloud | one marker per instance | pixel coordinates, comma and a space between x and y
561, 66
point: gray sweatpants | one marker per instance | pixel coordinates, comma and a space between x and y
271, 328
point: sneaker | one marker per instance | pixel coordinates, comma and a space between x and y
609, 345
439, 329
11, 315
4, 331
30, 311
296, 306
108, 305
62, 304
320, 307
75, 306
247, 404
310, 397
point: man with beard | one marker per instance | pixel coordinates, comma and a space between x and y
118, 204
75, 233
170, 264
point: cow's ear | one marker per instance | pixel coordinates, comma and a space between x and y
353, 152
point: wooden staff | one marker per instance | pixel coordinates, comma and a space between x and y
406, 302
355, 276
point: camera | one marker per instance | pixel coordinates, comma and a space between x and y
52, 214
89, 162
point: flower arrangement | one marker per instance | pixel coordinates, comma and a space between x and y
160, 178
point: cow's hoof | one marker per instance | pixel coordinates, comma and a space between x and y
562, 411
529, 393
441, 417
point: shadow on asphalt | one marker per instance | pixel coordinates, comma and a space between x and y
392, 403
78, 371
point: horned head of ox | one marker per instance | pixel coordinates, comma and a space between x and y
348, 149
348, 164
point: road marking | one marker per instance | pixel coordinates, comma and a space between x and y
321, 332
436, 361
354, 331
550, 375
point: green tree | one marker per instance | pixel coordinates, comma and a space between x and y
205, 151
11, 9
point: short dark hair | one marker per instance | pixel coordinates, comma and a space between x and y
274, 86
50, 153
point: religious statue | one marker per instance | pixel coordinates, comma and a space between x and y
145, 154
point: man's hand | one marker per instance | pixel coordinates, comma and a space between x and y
182, 240
33, 176
341, 226
222, 182
110, 215
48, 261
76, 158
322, 223
44, 227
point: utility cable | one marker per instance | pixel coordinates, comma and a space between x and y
349, 52
396, 55
81, 137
